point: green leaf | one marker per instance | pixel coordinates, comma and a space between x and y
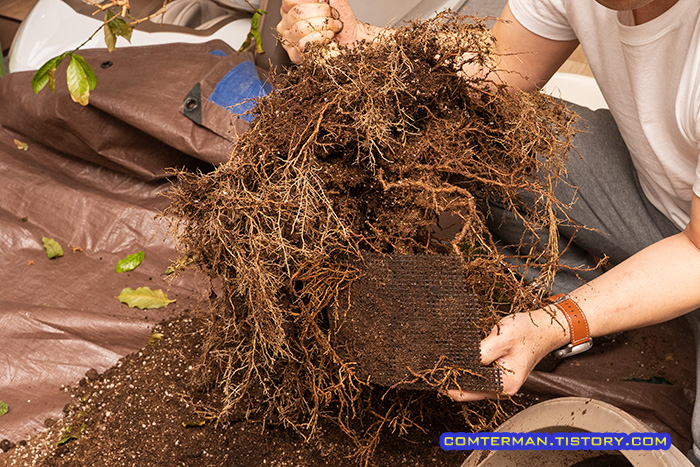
67, 436
144, 298
89, 72
52, 247
254, 33
78, 83
110, 38
121, 28
246, 43
3, 408
130, 262
118, 27
44, 75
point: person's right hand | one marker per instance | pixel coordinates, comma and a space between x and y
517, 344
305, 21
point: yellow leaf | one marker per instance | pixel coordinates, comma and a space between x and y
144, 298
154, 337
21, 145
52, 247
82, 99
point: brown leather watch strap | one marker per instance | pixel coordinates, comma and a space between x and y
578, 325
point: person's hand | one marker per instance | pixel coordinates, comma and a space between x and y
306, 21
517, 345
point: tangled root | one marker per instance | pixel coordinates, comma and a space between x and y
361, 151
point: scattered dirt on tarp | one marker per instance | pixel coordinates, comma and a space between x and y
142, 412
133, 413
360, 151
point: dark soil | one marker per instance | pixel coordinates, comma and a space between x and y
133, 414
142, 412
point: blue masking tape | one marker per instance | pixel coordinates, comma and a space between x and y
239, 85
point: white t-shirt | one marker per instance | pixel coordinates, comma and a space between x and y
649, 75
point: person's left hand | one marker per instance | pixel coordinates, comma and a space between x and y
516, 345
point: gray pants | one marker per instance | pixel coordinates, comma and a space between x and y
609, 201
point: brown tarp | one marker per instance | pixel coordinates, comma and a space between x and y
92, 177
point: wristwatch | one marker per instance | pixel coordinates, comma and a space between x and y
578, 326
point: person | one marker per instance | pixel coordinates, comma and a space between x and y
638, 182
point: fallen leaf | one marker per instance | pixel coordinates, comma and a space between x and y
67, 436
179, 265
30, 262
652, 380
21, 145
154, 337
3, 408
194, 424
53, 249
144, 298
131, 262
76, 249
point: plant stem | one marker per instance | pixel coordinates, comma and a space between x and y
88, 39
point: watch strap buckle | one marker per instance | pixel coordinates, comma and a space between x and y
578, 325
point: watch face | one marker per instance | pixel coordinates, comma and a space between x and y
571, 350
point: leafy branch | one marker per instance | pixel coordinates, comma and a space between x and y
80, 76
